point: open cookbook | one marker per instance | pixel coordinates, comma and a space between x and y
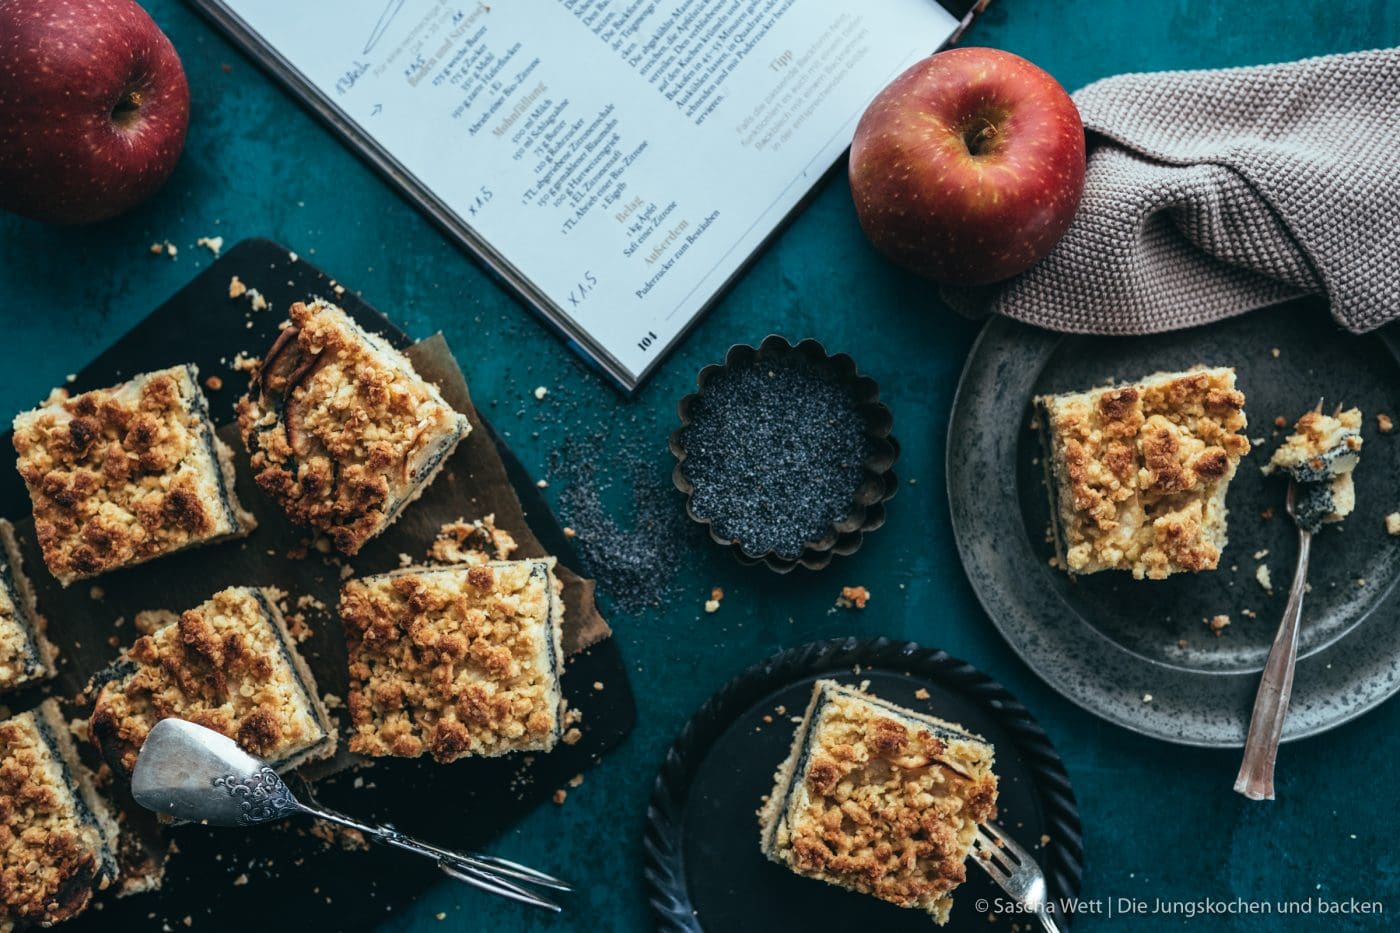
615, 162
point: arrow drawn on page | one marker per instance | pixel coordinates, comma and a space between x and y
381, 27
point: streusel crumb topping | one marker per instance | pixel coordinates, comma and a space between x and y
474, 542
887, 814
452, 662
340, 430
48, 857
121, 475
223, 665
1137, 468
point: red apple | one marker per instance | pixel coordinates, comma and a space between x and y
93, 108
968, 167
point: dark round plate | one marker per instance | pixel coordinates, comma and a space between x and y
1106, 641
703, 864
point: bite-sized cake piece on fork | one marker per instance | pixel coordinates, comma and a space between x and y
1320, 456
26, 656
879, 799
455, 661
228, 664
57, 837
1138, 473
124, 475
342, 431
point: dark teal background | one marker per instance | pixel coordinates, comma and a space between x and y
1159, 821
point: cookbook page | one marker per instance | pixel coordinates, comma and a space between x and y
623, 156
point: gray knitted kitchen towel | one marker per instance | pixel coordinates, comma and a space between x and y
1210, 193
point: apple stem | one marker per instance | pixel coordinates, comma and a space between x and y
983, 139
126, 109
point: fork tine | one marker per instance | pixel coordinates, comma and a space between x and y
496, 885
1003, 841
511, 869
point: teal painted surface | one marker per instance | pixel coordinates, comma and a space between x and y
1159, 821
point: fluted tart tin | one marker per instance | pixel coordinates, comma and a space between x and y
784, 454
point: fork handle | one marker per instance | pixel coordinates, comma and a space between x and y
1256, 777
496, 875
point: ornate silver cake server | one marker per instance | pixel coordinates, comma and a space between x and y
192, 773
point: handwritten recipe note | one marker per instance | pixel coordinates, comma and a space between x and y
616, 161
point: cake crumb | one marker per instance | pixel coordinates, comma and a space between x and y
560, 796
571, 737
241, 880
1183, 644
540, 393
332, 701
1267, 514
244, 363
152, 620
716, 597
236, 288
1280, 421
214, 383
215, 244
543, 484
1392, 523
96, 592
1218, 624
598, 685
1262, 575
1383, 423
853, 597
921, 694
569, 532
576, 780
1147, 698
257, 301
440, 915
1044, 839
1274, 352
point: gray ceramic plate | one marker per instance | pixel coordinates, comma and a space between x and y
1105, 640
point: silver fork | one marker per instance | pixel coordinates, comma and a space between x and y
1013, 868
188, 772
1256, 775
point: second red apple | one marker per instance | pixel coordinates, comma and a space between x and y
968, 167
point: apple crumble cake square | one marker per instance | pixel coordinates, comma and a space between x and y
124, 475
341, 430
455, 661
879, 799
1138, 473
57, 837
26, 656
230, 665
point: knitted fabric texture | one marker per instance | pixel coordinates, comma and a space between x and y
1211, 193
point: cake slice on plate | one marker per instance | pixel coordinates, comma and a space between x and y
26, 656
341, 430
57, 837
1138, 473
455, 661
879, 799
124, 475
228, 664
